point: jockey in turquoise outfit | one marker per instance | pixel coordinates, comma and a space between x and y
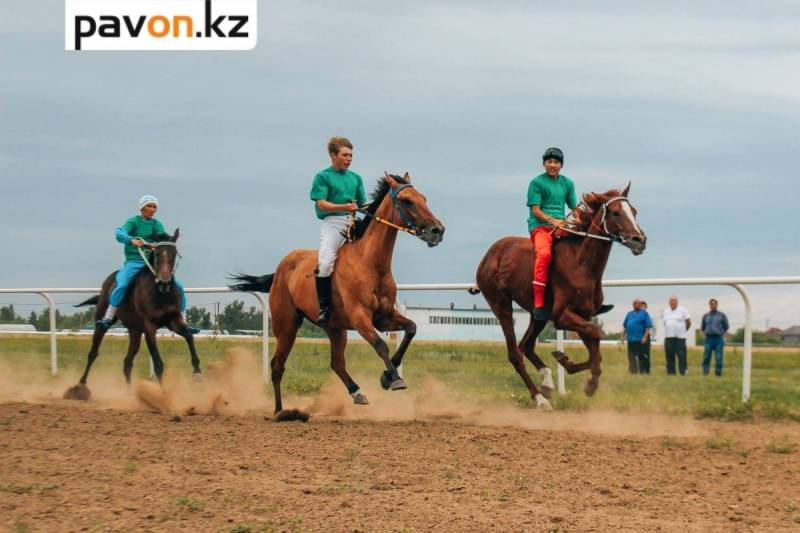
137, 232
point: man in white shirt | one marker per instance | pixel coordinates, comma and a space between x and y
676, 323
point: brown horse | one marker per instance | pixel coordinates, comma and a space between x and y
574, 293
364, 290
152, 302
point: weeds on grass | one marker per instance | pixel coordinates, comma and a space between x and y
783, 446
672, 443
719, 443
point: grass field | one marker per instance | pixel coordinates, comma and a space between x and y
476, 370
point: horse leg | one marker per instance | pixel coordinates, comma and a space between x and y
134, 341
590, 335
338, 339
390, 379
94, 351
527, 345
179, 327
155, 355
398, 322
285, 335
502, 309
81, 391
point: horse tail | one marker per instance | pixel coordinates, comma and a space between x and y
474, 290
249, 283
91, 301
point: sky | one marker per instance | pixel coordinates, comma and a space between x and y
695, 103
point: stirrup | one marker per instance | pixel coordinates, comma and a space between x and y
103, 324
324, 316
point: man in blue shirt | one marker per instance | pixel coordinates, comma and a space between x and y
714, 326
636, 330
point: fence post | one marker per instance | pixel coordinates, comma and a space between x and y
562, 386
53, 349
747, 357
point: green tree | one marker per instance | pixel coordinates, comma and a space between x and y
9, 316
235, 317
199, 317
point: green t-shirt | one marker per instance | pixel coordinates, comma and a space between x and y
338, 188
550, 195
138, 227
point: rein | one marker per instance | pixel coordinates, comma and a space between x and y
156, 245
604, 208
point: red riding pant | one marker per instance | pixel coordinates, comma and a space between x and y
542, 239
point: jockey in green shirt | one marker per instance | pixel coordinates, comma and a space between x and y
337, 193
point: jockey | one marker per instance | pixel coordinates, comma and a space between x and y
337, 193
138, 231
547, 194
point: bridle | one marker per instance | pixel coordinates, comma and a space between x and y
603, 222
410, 227
154, 246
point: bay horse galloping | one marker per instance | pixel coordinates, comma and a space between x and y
363, 290
575, 291
152, 302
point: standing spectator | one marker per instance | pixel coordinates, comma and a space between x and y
676, 323
636, 330
714, 326
646, 342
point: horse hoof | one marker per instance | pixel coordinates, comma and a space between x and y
78, 392
542, 404
197, 377
386, 383
290, 415
589, 389
359, 398
398, 384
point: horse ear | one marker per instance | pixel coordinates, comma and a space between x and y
625, 191
390, 180
177, 234
407, 177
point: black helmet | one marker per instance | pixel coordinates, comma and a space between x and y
553, 153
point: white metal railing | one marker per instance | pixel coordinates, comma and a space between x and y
736, 283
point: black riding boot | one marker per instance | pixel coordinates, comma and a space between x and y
324, 297
605, 308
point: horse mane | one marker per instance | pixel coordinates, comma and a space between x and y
376, 197
581, 217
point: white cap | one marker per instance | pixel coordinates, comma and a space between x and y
147, 199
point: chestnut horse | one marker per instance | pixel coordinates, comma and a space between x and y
152, 302
363, 288
574, 293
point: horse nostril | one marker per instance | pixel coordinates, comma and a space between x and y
637, 238
436, 230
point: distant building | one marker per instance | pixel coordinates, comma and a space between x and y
462, 324
790, 335
17, 328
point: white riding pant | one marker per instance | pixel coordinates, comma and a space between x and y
331, 238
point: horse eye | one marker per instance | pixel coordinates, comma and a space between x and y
407, 202
615, 213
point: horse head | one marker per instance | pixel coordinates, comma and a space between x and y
412, 208
165, 254
617, 217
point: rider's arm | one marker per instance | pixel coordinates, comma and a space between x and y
361, 197
544, 217
330, 207
572, 199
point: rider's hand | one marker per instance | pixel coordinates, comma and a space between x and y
558, 223
137, 242
351, 207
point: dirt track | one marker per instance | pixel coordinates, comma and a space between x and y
73, 466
